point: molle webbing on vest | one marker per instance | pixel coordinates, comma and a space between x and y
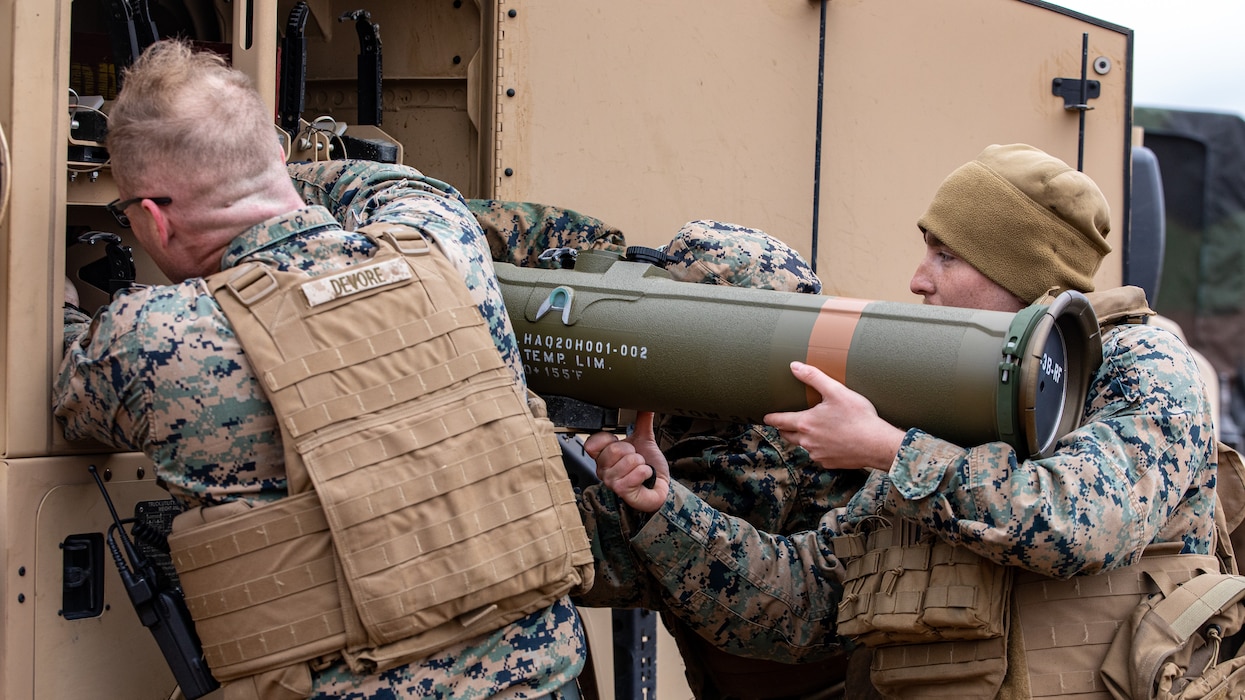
936, 615
1068, 625
442, 503
245, 620
1045, 638
960, 669
1061, 632
909, 587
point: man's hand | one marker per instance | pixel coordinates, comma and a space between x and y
843, 431
624, 465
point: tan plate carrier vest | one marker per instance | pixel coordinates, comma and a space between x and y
427, 504
944, 622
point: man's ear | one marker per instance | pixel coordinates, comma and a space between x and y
281, 153
161, 222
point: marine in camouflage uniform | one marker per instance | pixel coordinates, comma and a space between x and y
160, 370
1140, 470
748, 470
745, 470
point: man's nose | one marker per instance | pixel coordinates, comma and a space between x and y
920, 283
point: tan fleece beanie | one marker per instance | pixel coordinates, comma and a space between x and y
1024, 219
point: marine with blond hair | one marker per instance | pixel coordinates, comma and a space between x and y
166, 370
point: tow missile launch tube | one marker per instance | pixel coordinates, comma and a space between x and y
625, 335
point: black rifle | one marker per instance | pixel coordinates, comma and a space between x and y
370, 66
370, 93
161, 611
131, 30
293, 69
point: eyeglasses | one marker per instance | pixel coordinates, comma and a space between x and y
117, 207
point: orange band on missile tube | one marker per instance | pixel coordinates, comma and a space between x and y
832, 337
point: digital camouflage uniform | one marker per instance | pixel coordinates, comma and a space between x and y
748, 470
745, 470
1139, 470
518, 232
160, 370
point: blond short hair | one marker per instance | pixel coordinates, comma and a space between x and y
188, 114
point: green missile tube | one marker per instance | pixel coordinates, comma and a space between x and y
624, 335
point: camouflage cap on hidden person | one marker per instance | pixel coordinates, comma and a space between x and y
712, 252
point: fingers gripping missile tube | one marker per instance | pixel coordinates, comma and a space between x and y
624, 335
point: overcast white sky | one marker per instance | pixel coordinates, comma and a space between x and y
1189, 55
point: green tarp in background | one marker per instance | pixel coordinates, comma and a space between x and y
1201, 157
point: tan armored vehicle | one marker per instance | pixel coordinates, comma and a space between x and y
827, 124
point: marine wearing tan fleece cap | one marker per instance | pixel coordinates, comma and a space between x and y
1024, 219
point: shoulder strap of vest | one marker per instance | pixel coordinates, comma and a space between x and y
1113, 307
1169, 625
407, 240
1121, 305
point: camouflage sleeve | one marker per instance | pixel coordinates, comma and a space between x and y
77, 322
1139, 470
741, 481
749, 592
751, 472
518, 232
85, 396
738, 469
363, 192
619, 579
